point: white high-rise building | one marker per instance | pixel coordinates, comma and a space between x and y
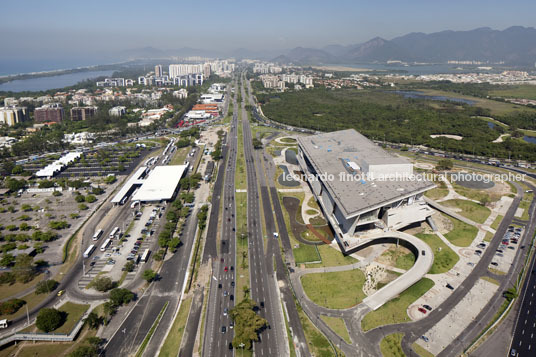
158, 70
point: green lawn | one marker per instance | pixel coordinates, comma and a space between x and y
288, 140
394, 311
405, 261
74, 314
332, 257
338, 326
318, 221
525, 204
306, 253
519, 91
473, 194
335, 290
469, 209
7, 290
391, 345
312, 203
462, 233
439, 192
444, 257
31, 299
311, 211
318, 344
496, 222
240, 174
488, 237
180, 156
173, 340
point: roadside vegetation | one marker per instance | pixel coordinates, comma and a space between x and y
444, 257
335, 290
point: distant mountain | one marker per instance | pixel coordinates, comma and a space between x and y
515, 46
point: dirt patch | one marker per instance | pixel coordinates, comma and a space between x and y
443, 223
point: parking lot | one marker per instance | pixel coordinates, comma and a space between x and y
111, 262
505, 254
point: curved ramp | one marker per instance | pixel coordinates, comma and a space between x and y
423, 263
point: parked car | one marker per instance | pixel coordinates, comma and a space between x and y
427, 307
422, 310
424, 338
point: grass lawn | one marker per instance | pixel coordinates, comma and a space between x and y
462, 234
7, 290
288, 140
496, 222
444, 257
391, 345
309, 236
488, 237
180, 156
439, 192
318, 221
525, 204
242, 258
240, 174
332, 257
312, 203
318, 343
74, 314
335, 290
473, 194
311, 211
491, 280
338, 326
421, 351
173, 340
31, 299
394, 311
469, 209
405, 261
520, 91
306, 253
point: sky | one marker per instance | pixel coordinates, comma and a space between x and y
55, 29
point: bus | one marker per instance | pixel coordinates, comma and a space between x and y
98, 234
89, 250
145, 255
114, 232
105, 245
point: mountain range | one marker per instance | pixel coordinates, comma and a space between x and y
515, 46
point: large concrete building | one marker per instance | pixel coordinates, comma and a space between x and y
49, 113
82, 113
12, 115
359, 185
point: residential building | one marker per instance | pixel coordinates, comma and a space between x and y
181, 93
82, 113
12, 115
49, 113
117, 111
158, 71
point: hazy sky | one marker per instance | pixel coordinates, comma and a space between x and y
52, 28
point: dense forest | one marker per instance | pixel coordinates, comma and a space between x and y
387, 116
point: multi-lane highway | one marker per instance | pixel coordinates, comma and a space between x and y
218, 334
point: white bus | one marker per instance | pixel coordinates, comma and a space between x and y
98, 234
89, 250
105, 245
114, 232
145, 255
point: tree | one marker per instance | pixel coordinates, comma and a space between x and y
119, 296
7, 278
82, 207
257, 144
93, 320
26, 207
58, 225
7, 260
149, 275
15, 185
484, 200
129, 266
247, 323
24, 268
46, 286
85, 351
17, 170
444, 164
103, 283
174, 243
79, 198
11, 306
109, 308
49, 319
90, 198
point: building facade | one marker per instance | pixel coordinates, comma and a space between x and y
49, 113
82, 113
12, 115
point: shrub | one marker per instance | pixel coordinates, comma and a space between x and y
11, 306
103, 284
7, 277
120, 296
149, 275
46, 286
49, 319
90, 198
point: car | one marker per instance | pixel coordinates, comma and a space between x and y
96, 257
232, 267
225, 269
230, 345
110, 262
478, 251
91, 264
225, 293
513, 352
510, 247
423, 252
61, 292
422, 310
225, 311
219, 286
228, 219
494, 264
449, 286
427, 307
107, 255
500, 251
223, 329
500, 254
221, 260
262, 304
232, 283
424, 338
231, 325
231, 297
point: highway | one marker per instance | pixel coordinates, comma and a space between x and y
217, 342
262, 280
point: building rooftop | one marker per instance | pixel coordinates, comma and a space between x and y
362, 176
161, 183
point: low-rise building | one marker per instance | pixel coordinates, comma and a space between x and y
117, 111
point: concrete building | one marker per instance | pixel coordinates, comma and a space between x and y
181, 93
161, 185
82, 113
158, 70
359, 185
12, 115
49, 113
117, 111
177, 70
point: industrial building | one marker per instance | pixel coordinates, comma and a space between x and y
58, 165
161, 184
359, 185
